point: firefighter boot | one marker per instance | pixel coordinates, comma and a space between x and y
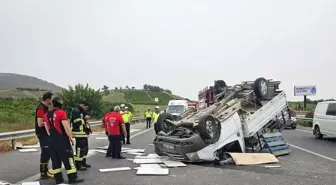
73, 178
59, 178
79, 166
85, 164
45, 174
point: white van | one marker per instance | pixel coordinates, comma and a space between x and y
324, 122
177, 107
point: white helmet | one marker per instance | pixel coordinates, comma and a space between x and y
126, 107
122, 105
157, 107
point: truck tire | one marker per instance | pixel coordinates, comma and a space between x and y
209, 129
166, 126
260, 88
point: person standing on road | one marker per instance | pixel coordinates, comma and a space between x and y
60, 136
124, 116
127, 118
148, 117
113, 123
42, 135
80, 133
104, 121
156, 114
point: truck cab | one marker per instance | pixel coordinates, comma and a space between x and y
177, 107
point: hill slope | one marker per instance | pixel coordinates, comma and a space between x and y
140, 97
12, 81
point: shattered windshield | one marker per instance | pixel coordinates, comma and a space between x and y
175, 109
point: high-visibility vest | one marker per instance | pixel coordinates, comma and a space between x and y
148, 114
125, 117
155, 116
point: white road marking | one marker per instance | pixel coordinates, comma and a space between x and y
311, 152
37, 176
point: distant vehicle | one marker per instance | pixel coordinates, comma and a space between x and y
324, 121
177, 107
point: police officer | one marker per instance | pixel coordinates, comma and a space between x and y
124, 116
156, 115
42, 135
57, 127
127, 118
148, 117
80, 131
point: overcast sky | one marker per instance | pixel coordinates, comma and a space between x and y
182, 45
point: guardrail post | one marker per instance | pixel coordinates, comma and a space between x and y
13, 144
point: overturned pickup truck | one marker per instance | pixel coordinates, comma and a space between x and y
234, 121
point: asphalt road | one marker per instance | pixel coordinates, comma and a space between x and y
300, 167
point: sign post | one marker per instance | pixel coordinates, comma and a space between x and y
156, 100
305, 91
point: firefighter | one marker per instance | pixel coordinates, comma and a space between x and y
127, 118
113, 122
104, 121
80, 131
60, 136
148, 117
42, 135
156, 115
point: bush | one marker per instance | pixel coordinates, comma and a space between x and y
74, 95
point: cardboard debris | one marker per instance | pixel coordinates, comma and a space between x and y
28, 150
253, 158
17, 145
133, 151
149, 156
137, 154
134, 130
153, 171
115, 169
150, 166
148, 161
4, 183
31, 183
171, 164
273, 166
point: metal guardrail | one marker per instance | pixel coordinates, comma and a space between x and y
304, 119
6, 136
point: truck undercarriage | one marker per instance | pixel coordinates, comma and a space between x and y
234, 122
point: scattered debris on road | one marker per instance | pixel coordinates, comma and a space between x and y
115, 169
28, 150
251, 158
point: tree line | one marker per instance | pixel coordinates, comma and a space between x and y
106, 90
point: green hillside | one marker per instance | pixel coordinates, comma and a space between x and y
140, 97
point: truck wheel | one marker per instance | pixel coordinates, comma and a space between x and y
209, 129
260, 88
317, 133
166, 126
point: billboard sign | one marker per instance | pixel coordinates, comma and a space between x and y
309, 90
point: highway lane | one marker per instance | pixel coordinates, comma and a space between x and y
16, 166
305, 139
298, 168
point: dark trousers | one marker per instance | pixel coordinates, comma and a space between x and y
157, 128
128, 127
148, 122
45, 156
61, 152
82, 149
114, 147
